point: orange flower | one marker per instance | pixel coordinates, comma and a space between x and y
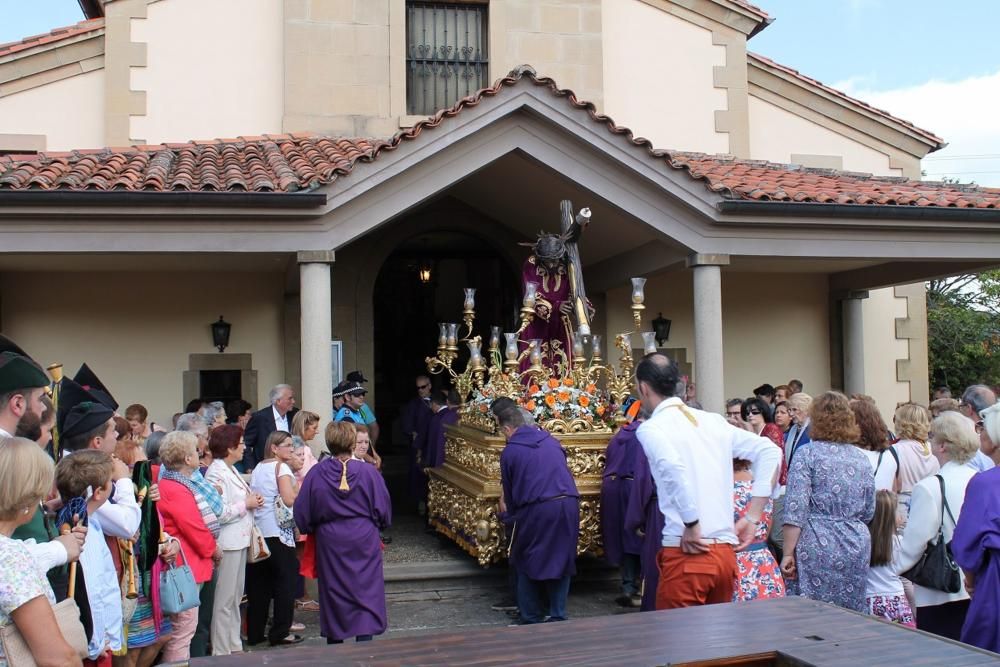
482, 407
584, 401
530, 406
600, 410
550, 400
553, 383
591, 388
568, 382
534, 389
563, 396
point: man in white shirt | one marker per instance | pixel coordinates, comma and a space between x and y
691, 456
975, 399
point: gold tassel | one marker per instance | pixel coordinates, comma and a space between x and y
684, 411
343, 477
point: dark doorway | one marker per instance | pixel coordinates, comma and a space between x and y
224, 385
407, 309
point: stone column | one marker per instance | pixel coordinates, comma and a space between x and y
317, 330
708, 367
854, 341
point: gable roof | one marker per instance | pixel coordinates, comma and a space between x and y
290, 163
763, 61
55, 35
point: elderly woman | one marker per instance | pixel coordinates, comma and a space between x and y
26, 598
829, 501
187, 517
874, 442
976, 541
226, 444
912, 423
344, 503
953, 445
273, 578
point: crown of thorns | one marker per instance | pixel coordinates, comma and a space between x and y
548, 246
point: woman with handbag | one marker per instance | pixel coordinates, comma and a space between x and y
274, 578
226, 444
188, 518
977, 541
26, 598
953, 444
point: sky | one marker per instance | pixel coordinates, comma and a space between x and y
935, 64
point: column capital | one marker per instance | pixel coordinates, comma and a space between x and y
315, 256
846, 294
704, 259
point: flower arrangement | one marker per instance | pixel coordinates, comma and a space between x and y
562, 399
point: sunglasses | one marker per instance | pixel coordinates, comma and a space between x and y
979, 426
753, 411
423, 386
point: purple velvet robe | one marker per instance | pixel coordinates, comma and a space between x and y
616, 488
976, 547
542, 503
549, 324
416, 415
346, 527
643, 513
434, 456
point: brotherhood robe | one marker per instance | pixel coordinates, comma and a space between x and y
976, 548
543, 505
616, 488
643, 513
345, 526
416, 415
434, 457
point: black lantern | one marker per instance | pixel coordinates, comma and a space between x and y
661, 326
220, 334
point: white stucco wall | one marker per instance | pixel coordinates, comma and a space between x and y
70, 112
136, 330
882, 349
214, 69
658, 77
775, 134
763, 341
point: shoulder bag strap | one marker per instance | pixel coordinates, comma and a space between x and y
944, 504
878, 464
895, 455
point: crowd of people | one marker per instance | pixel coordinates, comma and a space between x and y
198, 539
123, 542
787, 494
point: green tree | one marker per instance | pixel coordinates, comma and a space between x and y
963, 330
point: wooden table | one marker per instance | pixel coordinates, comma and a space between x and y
788, 632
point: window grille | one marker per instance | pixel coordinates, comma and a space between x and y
446, 54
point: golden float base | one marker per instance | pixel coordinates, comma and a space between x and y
464, 492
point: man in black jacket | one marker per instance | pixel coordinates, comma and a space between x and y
277, 416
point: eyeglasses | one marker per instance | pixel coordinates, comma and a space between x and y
423, 386
733, 413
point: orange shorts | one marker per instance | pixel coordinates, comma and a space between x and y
689, 580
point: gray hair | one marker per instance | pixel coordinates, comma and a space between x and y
298, 442
152, 445
192, 422
275, 392
979, 397
991, 422
211, 411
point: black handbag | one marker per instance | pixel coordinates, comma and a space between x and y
937, 568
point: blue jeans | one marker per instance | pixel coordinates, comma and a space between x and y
631, 574
536, 597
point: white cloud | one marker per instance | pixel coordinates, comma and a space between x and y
962, 112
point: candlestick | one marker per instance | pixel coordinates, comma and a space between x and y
442, 335
470, 299
595, 348
475, 354
638, 298
495, 338
535, 353
648, 342
452, 341
530, 295
510, 351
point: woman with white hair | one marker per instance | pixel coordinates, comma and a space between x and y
953, 443
976, 542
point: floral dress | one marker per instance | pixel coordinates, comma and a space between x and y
20, 581
758, 573
831, 497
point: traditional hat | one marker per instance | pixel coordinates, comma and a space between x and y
17, 369
87, 379
356, 376
79, 410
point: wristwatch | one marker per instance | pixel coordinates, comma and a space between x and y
691, 524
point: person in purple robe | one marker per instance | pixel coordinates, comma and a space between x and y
621, 547
416, 415
343, 504
445, 407
975, 543
541, 503
643, 517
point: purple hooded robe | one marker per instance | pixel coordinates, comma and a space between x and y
346, 527
616, 488
542, 503
643, 513
976, 547
416, 415
434, 452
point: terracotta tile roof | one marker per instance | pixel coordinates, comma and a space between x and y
930, 136
56, 35
753, 8
295, 162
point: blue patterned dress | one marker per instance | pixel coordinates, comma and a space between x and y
831, 497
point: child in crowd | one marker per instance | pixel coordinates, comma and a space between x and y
758, 575
87, 474
885, 595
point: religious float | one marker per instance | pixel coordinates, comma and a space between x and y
544, 366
